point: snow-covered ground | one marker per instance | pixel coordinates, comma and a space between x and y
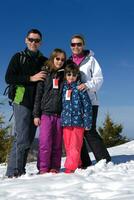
112, 181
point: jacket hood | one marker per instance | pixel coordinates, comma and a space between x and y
88, 53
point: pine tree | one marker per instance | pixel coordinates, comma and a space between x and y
5, 140
111, 133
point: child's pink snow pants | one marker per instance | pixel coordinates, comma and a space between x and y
73, 140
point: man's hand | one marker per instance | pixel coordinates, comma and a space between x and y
40, 76
36, 121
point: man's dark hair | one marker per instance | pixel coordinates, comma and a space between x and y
36, 31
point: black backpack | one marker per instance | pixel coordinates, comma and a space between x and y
10, 90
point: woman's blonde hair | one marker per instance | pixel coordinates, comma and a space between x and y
79, 36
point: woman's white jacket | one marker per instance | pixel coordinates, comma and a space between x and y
91, 75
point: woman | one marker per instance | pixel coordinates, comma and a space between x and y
92, 79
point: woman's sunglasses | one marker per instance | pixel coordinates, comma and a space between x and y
79, 44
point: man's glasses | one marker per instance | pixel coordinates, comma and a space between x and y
71, 74
59, 59
79, 44
36, 40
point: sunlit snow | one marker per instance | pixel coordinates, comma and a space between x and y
112, 181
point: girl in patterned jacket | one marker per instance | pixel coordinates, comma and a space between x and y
76, 117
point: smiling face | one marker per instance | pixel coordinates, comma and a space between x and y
77, 46
33, 41
59, 60
71, 77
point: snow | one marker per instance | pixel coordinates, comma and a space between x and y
112, 181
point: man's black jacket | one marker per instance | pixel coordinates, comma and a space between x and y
18, 73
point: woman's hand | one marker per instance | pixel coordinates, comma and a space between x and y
82, 86
36, 121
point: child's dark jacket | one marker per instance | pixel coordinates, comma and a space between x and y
49, 100
78, 110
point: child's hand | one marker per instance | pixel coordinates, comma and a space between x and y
36, 121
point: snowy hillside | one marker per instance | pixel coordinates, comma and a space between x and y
112, 181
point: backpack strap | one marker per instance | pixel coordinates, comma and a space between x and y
5, 93
22, 57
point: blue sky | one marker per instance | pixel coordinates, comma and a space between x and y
108, 27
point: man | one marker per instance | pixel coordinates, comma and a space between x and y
92, 78
24, 71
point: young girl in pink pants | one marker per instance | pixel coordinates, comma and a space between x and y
76, 117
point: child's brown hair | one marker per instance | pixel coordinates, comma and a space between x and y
50, 62
72, 68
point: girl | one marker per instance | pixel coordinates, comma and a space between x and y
47, 110
76, 117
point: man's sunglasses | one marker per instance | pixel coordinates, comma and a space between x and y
34, 40
79, 44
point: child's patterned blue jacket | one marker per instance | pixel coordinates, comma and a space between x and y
78, 110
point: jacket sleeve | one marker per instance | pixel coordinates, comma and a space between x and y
38, 98
14, 74
95, 73
87, 109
